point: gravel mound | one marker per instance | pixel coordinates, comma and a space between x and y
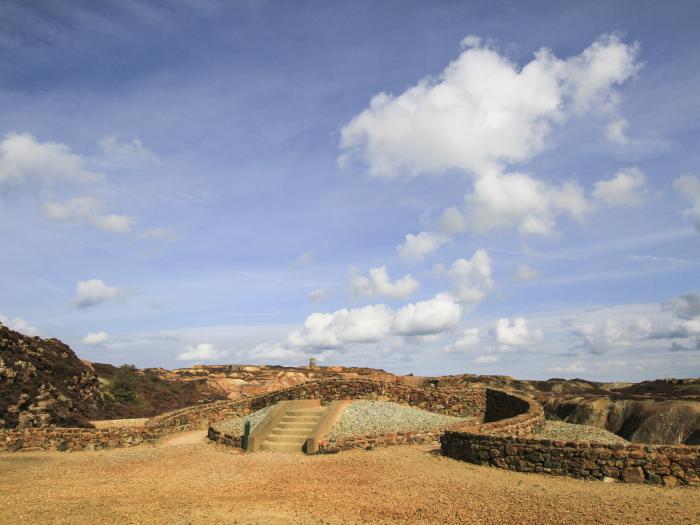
570, 432
236, 425
382, 417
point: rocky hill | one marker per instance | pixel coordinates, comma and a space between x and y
43, 383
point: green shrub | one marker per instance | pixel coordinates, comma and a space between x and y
123, 385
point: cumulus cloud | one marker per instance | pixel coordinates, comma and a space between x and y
627, 188
19, 325
337, 331
487, 359
483, 111
452, 221
517, 200
440, 314
468, 339
23, 159
96, 338
686, 312
525, 273
471, 278
689, 189
378, 282
93, 292
516, 333
599, 337
615, 132
87, 210
418, 246
202, 352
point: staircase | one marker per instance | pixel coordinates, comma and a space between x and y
289, 435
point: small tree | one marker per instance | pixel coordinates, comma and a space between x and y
123, 386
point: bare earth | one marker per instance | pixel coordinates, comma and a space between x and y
187, 480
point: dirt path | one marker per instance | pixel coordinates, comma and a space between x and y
205, 483
184, 438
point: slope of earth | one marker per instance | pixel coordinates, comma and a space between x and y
188, 481
43, 383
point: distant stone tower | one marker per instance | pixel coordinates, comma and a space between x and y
312, 363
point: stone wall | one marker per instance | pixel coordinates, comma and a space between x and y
372, 441
658, 464
74, 439
218, 435
470, 402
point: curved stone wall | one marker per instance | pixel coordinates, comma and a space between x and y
508, 443
667, 465
469, 402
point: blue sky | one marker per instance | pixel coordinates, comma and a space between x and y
443, 187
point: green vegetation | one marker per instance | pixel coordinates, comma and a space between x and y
123, 385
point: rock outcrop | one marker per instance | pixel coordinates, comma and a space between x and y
44, 384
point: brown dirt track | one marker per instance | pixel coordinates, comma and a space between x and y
187, 480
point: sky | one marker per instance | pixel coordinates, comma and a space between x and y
424, 187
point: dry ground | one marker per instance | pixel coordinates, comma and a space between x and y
187, 480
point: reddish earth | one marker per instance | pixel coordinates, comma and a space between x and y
186, 480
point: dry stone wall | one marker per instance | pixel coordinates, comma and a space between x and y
667, 465
74, 439
463, 402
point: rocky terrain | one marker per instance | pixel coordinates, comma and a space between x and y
43, 383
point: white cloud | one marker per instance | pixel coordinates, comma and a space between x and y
319, 295
440, 314
471, 278
378, 282
599, 337
516, 200
575, 367
202, 352
418, 246
24, 158
615, 132
19, 325
370, 324
467, 339
526, 273
86, 210
96, 338
688, 187
483, 111
627, 188
92, 292
516, 333
118, 154
487, 359
347, 326
304, 259
452, 221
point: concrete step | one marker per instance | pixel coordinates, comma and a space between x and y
290, 432
300, 419
306, 411
297, 424
281, 447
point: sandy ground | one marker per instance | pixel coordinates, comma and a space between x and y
188, 480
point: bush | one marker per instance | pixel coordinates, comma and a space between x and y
123, 385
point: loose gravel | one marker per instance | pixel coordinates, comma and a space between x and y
236, 425
570, 432
382, 417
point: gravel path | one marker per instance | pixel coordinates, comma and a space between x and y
382, 417
570, 432
211, 484
236, 425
